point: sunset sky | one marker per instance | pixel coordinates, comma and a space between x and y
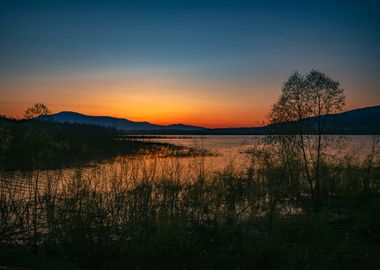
209, 63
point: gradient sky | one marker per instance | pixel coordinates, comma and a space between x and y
210, 63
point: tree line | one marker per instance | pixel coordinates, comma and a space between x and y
31, 143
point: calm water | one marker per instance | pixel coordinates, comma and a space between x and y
226, 150
232, 148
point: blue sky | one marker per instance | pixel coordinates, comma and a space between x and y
229, 49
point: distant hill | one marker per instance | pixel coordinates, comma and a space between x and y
113, 122
364, 121
358, 121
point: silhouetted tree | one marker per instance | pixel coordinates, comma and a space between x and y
40, 139
38, 109
303, 96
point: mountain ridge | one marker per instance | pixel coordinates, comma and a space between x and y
356, 121
113, 122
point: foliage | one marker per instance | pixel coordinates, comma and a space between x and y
38, 109
133, 216
41, 144
314, 94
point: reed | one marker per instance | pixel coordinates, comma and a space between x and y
141, 213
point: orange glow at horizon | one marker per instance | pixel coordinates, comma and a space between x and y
155, 98
161, 115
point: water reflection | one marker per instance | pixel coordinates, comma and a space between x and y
222, 151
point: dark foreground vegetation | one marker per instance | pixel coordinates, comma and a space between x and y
32, 144
130, 218
295, 205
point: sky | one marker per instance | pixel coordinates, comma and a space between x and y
208, 63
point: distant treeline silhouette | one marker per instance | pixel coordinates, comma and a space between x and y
35, 144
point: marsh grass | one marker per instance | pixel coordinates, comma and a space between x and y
144, 214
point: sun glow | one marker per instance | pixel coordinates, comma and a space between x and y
156, 98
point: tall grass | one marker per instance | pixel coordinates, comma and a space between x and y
139, 214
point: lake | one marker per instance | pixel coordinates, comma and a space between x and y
226, 150
233, 148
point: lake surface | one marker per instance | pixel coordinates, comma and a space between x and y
226, 151
232, 149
